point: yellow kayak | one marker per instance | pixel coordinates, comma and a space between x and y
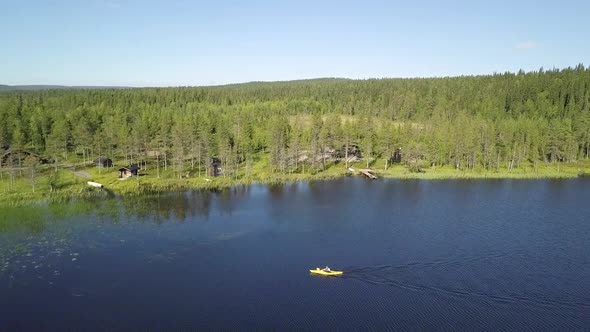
326, 273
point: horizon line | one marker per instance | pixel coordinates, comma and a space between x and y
118, 86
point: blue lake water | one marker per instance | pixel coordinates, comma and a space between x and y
416, 255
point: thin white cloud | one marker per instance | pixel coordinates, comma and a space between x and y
527, 45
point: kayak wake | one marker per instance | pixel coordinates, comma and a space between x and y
388, 275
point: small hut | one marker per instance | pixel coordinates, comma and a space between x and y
215, 167
354, 152
103, 162
397, 156
128, 171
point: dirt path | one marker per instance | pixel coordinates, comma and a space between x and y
79, 173
82, 174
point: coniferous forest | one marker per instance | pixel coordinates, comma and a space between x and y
491, 123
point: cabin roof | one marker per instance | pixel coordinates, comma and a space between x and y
131, 168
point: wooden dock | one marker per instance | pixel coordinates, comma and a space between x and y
365, 171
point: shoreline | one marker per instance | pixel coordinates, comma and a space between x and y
77, 188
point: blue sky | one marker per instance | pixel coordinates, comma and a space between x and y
171, 43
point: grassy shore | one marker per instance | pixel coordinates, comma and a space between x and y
71, 183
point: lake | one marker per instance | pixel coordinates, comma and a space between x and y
416, 255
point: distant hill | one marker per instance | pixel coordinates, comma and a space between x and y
52, 87
255, 84
291, 82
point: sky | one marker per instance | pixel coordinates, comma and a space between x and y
183, 42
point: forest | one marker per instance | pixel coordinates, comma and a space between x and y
494, 123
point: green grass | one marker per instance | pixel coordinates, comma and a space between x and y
69, 186
523, 172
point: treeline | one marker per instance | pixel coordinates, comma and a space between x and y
491, 122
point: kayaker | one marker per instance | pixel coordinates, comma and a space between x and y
327, 269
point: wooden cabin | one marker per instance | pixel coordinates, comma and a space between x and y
397, 156
215, 168
103, 162
14, 157
353, 150
128, 171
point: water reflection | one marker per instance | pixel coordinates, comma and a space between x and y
499, 255
337, 196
